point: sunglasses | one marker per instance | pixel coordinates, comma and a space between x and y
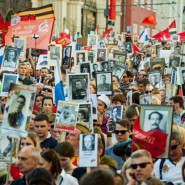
147, 92
173, 147
47, 89
120, 131
141, 165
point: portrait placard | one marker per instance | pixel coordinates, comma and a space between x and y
95, 67
155, 78
85, 115
85, 67
101, 44
128, 47
88, 150
156, 125
120, 56
81, 56
7, 80
10, 58
18, 110
93, 101
66, 116
175, 61
118, 70
104, 83
42, 61
66, 57
173, 75
92, 40
171, 90
55, 52
20, 44
136, 60
105, 66
175, 38
78, 90
101, 54
145, 99
181, 73
157, 64
90, 56
166, 55
129, 98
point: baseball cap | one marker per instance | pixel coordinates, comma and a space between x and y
104, 99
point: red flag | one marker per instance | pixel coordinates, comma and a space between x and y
182, 35
1, 22
150, 20
162, 35
41, 27
180, 93
27, 18
136, 48
172, 27
112, 12
106, 33
148, 140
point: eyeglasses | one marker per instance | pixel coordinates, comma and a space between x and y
173, 147
141, 165
47, 89
122, 132
147, 92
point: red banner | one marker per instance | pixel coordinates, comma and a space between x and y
112, 12
43, 28
154, 142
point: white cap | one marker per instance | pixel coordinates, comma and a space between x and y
104, 99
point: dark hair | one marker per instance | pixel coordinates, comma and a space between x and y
128, 73
42, 117
131, 111
118, 97
38, 96
98, 177
39, 176
160, 115
178, 99
82, 111
23, 97
47, 98
65, 149
51, 156
124, 123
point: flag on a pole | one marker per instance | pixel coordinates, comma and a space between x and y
172, 28
162, 35
59, 90
150, 20
144, 36
43, 12
112, 11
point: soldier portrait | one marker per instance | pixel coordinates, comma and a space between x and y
104, 83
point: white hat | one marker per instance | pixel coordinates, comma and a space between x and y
105, 100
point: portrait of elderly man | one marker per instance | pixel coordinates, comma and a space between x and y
103, 85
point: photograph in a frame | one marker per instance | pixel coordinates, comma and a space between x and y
145, 99
66, 56
93, 101
155, 78
81, 56
85, 67
42, 61
116, 113
20, 44
95, 67
104, 83
101, 54
55, 52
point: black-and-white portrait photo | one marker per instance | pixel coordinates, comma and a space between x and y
101, 54
104, 83
173, 76
93, 101
80, 56
105, 67
101, 44
121, 56
155, 120
155, 79
90, 56
55, 52
92, 40
116, 113
85, 67
136, 60
175, 61
19, 43
66, 56
7, 80
42, 61
175, 38
78, 87
118, 72
88, 142
145, 99
10, 58
112, 34
157, 65
95, 67
177, 49
128, 47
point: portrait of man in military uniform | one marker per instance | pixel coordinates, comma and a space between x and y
104, 84
79, 91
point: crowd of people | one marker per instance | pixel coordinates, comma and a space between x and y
48, 156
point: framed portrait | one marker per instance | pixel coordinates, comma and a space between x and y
129, 98
181, 73
93, 101
128, 47
101, 54
85, 67
7, 80
116, 113
166, 55
105, 66
85, 115
173, 76
101, 44
104, 83
171, 90
66, 57
81, 56
92, 40
135, 39
175, 61
20, 44
42, 61
136, 60
120, 56
175, 38
145, 99
118, 70
10, 58
95, 67
157, 64
112, 34
18, 110
112, 62
88, 150
157, 122
177, 48
78, 90
90, 56
55, 52
155, 78
66, 116
183, 49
